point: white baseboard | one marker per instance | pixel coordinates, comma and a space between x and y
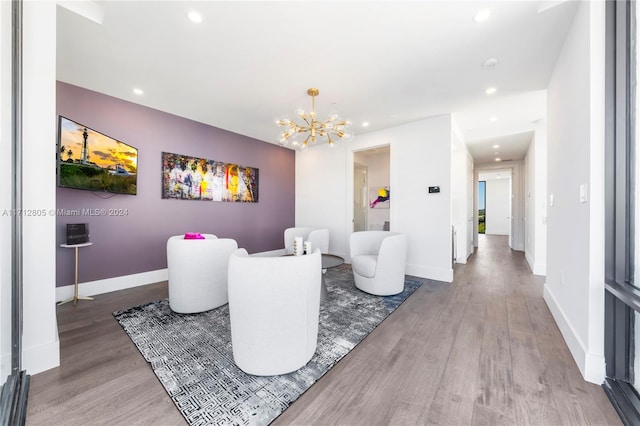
42, 357
438, 274
591, 366
540, 269
529, 260
107, 285
537, 268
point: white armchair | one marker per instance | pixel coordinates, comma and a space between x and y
198, 272
274, 305
378, 261
319, 238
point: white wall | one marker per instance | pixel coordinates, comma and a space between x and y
497, 208
40, 334
461, 199
536, 202
420, 157
574, 290
5, 192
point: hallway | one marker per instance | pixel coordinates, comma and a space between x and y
483, 350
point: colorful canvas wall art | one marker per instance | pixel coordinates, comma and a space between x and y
192, 178
379, 198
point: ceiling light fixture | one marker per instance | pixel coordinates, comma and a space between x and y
496, 146
493, 119
498, 159
365, 124
138, 92
482, 15
490, 90
332, 129
195, 17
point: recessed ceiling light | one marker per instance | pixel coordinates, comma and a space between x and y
138, 92
365, 124
495, 146
489, 63
195, 16
482, 15
493, 119
490, 90
498, 159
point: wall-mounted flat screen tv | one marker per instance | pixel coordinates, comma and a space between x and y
93, 161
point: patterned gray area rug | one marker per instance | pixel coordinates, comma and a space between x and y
191, 354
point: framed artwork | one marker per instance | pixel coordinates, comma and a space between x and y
379, 197
192, 178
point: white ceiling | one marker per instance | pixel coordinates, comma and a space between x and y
385, 62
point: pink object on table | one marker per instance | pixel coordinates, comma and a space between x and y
193, 236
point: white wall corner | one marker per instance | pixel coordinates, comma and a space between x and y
540, 268
37, 359
537, 268
108, 285
530, 260
39, 333
592, 366
595, 368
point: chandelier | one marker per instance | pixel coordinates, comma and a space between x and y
299, 135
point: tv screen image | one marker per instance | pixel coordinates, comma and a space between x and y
93, 161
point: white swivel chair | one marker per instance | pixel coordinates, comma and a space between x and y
319, 238
274, 305
198, 272
378, 261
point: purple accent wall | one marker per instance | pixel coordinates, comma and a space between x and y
134, 243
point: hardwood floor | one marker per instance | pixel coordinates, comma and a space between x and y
483, 350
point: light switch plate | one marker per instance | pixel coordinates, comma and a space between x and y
583, 193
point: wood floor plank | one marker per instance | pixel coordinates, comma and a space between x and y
485, 416
532, 413
494, 388
528, 368
604, 405
482, 350
574, 409
454, 399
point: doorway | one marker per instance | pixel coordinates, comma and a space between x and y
372, 194
497, 202
360, 185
